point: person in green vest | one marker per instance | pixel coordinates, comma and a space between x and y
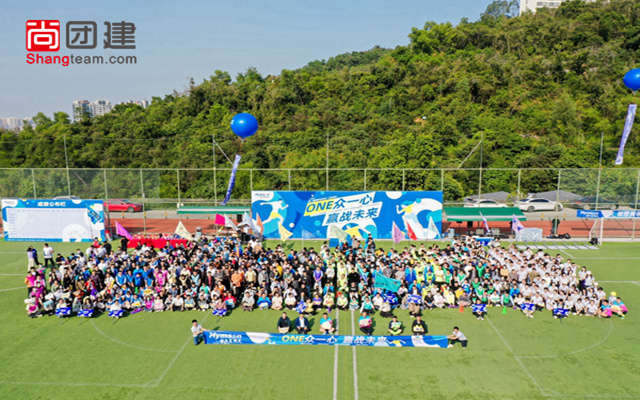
395, 326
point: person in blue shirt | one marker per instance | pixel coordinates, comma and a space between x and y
326, 325
366, 323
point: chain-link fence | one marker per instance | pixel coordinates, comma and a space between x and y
164, 190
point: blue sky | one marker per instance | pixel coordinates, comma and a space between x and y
178, 40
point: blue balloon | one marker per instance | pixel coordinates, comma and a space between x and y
244, 125
632, 79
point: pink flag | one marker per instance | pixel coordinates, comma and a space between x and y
396, 234
121, 231
220, 220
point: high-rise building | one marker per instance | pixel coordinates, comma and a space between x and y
84, 107
533, 5
80, 108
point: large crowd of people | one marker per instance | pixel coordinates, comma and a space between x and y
219, 275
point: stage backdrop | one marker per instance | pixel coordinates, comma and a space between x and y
52, 220
309, 215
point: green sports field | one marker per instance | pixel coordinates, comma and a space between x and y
153, 356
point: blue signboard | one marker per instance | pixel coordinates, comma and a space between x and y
225, 337
619, 214
322, 215
53, 220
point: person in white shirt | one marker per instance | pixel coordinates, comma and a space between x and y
47, 252
198, 332
457, 336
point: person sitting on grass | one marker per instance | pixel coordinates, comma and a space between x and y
328, 301
343, 302
290, 301
263, 301
326, 325
605, 310
189, 303
395, 327
284, 323
276, 301
178, 304
302, 325
479, 310
591, 309
365, 323
457, 336
385, 310
419, 327
528, 308
247, 302
618, 307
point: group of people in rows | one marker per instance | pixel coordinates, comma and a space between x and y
218, 274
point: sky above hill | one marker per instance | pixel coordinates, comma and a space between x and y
179, 40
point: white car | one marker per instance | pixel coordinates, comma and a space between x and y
531, 205
483, 203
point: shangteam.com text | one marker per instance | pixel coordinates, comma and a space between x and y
65, 61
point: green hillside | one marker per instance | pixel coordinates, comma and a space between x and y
540, 89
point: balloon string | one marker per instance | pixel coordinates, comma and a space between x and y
223, 153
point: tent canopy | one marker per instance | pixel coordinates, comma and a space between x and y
462, 214
214, 210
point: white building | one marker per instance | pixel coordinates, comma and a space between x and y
533, 5
14, 123
98, 107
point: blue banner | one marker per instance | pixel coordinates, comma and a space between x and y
385, 283
225, 337
232, 179
358, 214
628, 124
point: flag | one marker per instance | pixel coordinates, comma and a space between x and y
260, 225
85, 313
433, 229
306, 234
528, 307
121, 231
390, 298
284, 233
396, 233
414, 298
219, 220
411, 233
516, 225
229, 223
220, 312
560, 312
232, 179
486, 224
389, 284
334, 231
239, 250
354, 232
63, 311
182, 231
252, 224
301, 307
479, 308
628, 124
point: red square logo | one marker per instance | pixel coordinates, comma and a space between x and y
43, 35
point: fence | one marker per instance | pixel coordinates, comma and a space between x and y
164, 189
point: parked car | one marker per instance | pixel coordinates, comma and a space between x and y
589, 202
483, 203
122, 205
531, 205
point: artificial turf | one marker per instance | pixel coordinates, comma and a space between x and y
151, 355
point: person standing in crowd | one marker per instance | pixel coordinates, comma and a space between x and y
198, 332
457, 337
47, 254
31, 258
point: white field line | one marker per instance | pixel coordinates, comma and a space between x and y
355, 362
335, 361
516, 357
567, 253
13, 288
130, 345
184, 346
